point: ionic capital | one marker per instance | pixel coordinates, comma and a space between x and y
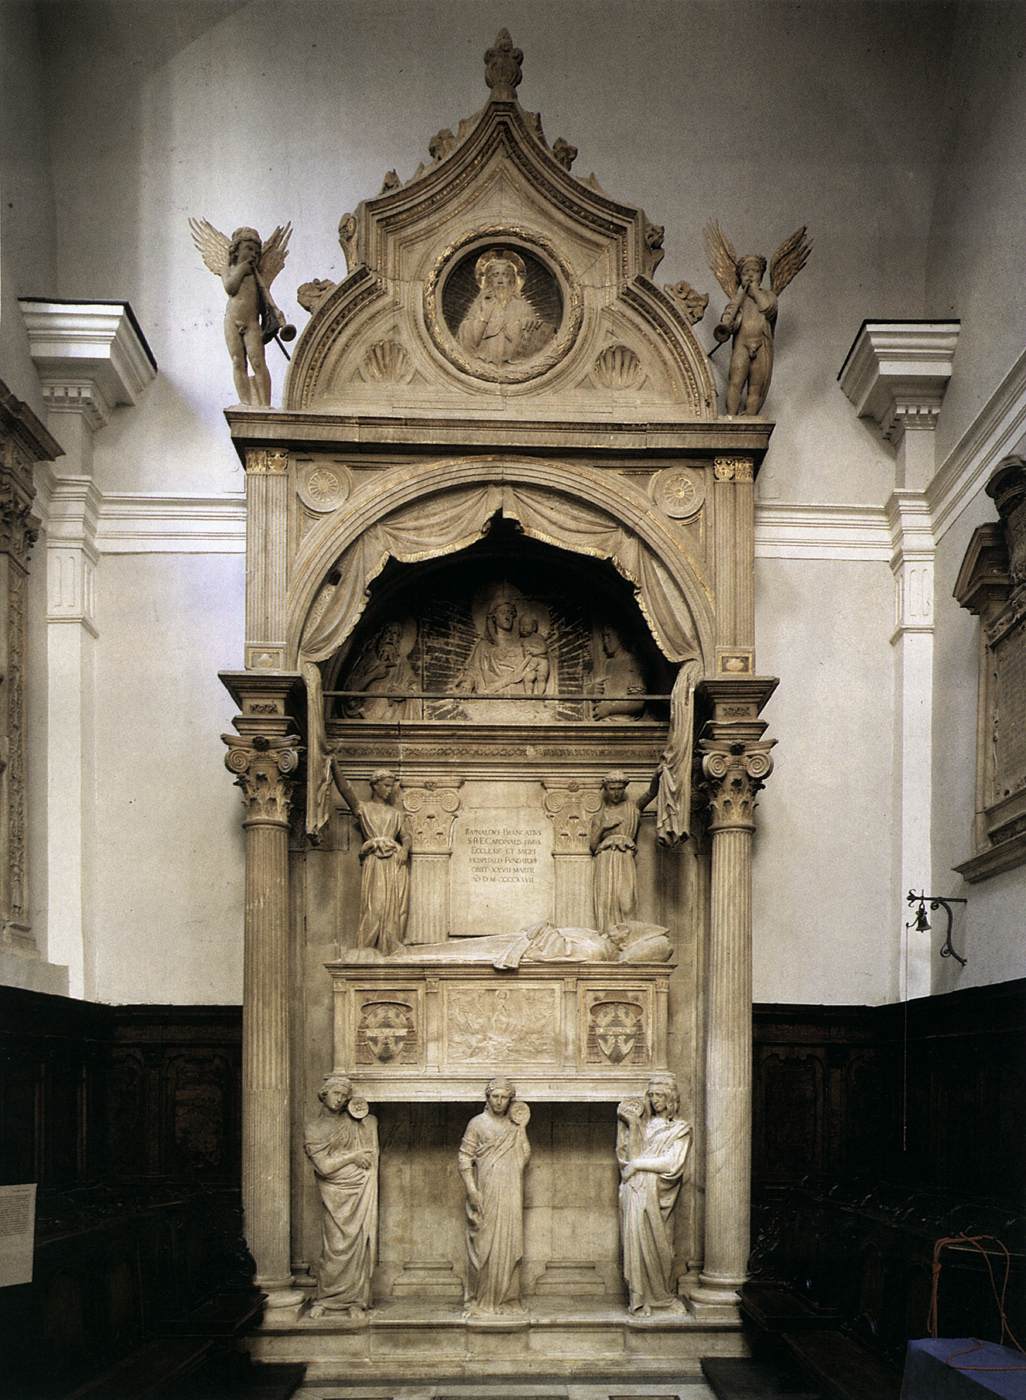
733, 773
264, 770
431, 809
570, 807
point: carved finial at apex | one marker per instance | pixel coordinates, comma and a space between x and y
502, 68
751, 313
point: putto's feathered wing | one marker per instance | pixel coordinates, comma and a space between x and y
722, 258
212, 245
274, 252
789, 259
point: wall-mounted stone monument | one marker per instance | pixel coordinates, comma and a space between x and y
499, 745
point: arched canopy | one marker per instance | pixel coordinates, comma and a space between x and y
423, 513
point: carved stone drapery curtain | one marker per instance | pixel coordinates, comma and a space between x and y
453, 521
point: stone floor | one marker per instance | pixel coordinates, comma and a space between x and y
691, 1388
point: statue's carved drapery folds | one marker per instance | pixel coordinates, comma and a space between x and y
492, 1158
384, 862
652, 1144
614, 844
342, 1145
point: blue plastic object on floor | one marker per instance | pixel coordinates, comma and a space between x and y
980, 1369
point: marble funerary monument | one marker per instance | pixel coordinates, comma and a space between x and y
498, 743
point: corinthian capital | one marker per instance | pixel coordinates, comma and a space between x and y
734, 772
264, 769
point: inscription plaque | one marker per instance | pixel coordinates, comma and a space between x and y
502, 870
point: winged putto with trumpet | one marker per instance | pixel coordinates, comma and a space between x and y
751, 313
247, 266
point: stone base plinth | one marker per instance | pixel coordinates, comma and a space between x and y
570, 1279
407, 1340
428, 1278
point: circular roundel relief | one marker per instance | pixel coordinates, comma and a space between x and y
679, 491
323, 486
502, 305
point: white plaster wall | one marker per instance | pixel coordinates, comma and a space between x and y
27, 242
261, 110
991, 930
167, 893
280, 109
823, 897
978, 225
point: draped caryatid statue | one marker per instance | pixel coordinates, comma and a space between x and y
342, 1145
492, 1158
652, 1143
614, 844
384, 859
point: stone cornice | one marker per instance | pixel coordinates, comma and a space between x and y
360, 434
20, 426
90, 356
993, 433
897, 372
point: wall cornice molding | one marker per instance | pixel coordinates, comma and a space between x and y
809, 531
993, 434
90, 356
896, 373
153, 523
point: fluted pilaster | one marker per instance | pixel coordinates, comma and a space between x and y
430, 813
266, 556
570, 807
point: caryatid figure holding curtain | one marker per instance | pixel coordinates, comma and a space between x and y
384, 860
614, 844
492, 1158
652, 1143
342, 1144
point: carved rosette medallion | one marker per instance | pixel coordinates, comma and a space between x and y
734, 773
323, 486
502, 304
679, 492
264, 770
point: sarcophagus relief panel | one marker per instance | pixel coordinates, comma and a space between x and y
568, 1030
486, 1025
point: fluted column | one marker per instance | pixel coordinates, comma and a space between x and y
570, 807
264, 757
735, 763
